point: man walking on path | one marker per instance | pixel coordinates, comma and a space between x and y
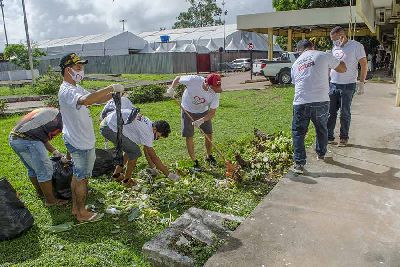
78, 133
200, 100
343, 85
311, 100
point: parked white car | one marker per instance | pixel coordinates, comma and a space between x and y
258, 65
242, 64
280, 71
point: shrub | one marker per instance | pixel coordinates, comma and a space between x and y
179, 90
148, 93
49, 83
3, 107
52, 101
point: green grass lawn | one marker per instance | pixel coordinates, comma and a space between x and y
24, 90
149, 77
101, 243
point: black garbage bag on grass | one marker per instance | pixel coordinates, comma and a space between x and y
15, 218
62, 176
104, 164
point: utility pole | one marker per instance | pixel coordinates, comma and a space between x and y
225, 12
28, 42
123, 24
4, 22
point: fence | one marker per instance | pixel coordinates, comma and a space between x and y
145, 63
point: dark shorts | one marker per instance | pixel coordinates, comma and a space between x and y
128, 146
188, 128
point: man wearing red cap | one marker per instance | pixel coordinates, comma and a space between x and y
200, 100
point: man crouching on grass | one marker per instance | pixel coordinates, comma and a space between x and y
78, 133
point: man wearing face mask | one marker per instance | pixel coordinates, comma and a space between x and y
200, 100
78, 133
343, 85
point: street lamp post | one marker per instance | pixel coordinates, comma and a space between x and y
123, 24
28, 42
225, 12
4, 22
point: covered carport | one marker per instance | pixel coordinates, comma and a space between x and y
378, 18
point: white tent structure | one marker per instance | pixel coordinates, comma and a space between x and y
147, 49
209, 36
106, 44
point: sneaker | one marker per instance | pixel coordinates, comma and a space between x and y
196, 166
320, 157
298, 169
211, 160
343, 143
332, 142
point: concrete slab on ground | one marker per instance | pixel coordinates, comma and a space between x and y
21, 107
342, 212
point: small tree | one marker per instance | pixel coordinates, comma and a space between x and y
200, 14
18, 55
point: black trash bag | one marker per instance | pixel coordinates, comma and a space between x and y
62, 176
15, 218
103, 164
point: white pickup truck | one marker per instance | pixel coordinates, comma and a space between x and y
279, 71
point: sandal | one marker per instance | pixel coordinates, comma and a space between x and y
119, 177
129, 183
59, 202
95, 218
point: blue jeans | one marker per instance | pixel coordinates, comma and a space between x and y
83, 161
318, 113
34, 156
341, 96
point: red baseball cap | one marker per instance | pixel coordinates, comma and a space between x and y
214, 80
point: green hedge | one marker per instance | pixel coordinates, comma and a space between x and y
148, 93
49, 83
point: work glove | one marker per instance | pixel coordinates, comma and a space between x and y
170, 92
360, 89
118, 88
57, 154
198, 123
153, 171
173, 176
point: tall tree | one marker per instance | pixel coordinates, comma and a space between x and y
201, 13
322, 43
18, 55
283, 5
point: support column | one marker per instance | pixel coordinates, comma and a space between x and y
270, 43
398, 66
289, 40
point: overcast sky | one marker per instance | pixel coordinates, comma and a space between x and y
50, 19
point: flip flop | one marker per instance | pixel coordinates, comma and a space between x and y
117, 177
95, 218
59, 202
129, 183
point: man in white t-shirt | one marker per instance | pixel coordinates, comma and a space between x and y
200, 101
311, 99
78, 133
343, 85
136, 131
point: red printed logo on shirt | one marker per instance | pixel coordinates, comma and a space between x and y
198, 100
339, 54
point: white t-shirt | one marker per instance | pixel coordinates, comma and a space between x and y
310, 75
77, 123
350, 53
139, 131
110, 106
195, 99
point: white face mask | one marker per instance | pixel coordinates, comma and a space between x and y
338, 42
77, 76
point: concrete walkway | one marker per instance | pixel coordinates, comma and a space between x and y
343, 212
